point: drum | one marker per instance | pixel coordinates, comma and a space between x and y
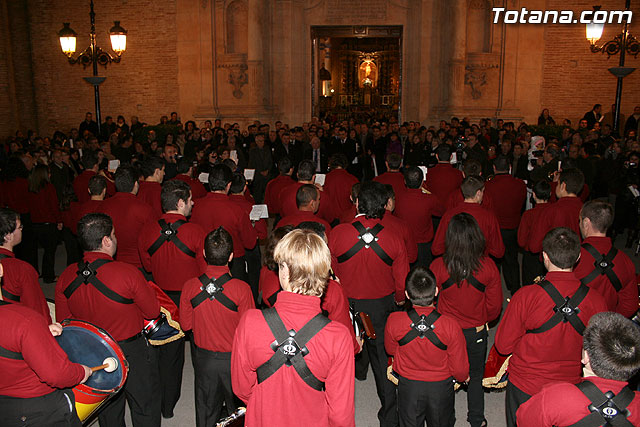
165, 328
495, 370
89, 345
234, 420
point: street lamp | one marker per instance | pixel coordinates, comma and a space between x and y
622, 44
94, 55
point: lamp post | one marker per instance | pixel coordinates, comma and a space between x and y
93, 54
622, 44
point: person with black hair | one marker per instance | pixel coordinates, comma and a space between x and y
97, 189
601, 266
20, 282
393, 176
269, 281
272, 192
81, 182
214, 298
471, 292
428, 351
152, 170
287, 196
185, 168
337, 188
443, 179
217, 210
611, 357
371, 262
308, 202
563, 213
532, 265
543, 324
117, 299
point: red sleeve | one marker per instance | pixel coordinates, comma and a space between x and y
32, 295
144, 295
524, 230
437, 247
248, 234
337, 305
495, 243
62, 304
533, 413
628, 295
339, 385
143, 245
243, 376
457, 353
511, 328
410, 242
400, 268
539, 230
493, 292
390, 343
186, 310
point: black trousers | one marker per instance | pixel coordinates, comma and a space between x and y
238, 268
532, 267
379, 309
254, 264
71, 245
420, 401
170, 366
141, 391
513, 399
56, 409
477, 353
510, 266
424, 255
28, 249
213, 387
46, 235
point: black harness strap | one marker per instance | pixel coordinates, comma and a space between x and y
213, 289
87, 275
8, 354
565, 310
603, 265
169, 233
289, 348
367, 239
272, 299
607, 409
472, 281
5, 293
422, 326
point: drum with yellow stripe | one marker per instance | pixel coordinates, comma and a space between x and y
89, 345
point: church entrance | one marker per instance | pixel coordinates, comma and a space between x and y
357, 72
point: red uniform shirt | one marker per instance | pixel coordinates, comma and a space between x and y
129, 215
563, 404
171, 267
624, 301
21, 279
547, 357
81, 186
197, 188
401, 228
348, 215
90, 206
416, 209
260, 225
45, 366
365, 275
508, 194
563, 213
337, 192
122, 321
420, 359
269, 284
470, 307
287, 199
329, 359
456, 198
44, 205
212, 312
442, 180
395, 179
302, 216
215, 210
486, 220
15, 195
529, 220
149, 193
272, 193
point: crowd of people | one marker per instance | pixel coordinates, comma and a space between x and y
414, 226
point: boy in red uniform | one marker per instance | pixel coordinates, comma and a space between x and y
429, 353
543, 324
319, 386
611, 356
214, 298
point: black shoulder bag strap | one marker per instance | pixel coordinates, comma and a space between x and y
603, 265
289, 347
169, 233
213, 289
272, 299
8, 354
472, 281
87, 274
565, 310
5, 293
607, 409
367, 238
422, 326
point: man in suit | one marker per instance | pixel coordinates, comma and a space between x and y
593, 116
284, 148
317, 154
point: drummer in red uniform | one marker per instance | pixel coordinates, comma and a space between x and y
214, 298
611, 356
114, 296
319, 387
542, 329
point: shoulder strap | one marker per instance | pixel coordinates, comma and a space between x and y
169, 232
290, 347
607, 409
213, 289
87, 274
423, 326
565, 310
5, 293
603, 265
367, 238
272, 299
3, 256
472, 281
8, 354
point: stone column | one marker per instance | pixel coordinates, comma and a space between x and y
458, 52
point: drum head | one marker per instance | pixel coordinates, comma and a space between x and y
90, 347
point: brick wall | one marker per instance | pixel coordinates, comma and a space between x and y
574, 79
